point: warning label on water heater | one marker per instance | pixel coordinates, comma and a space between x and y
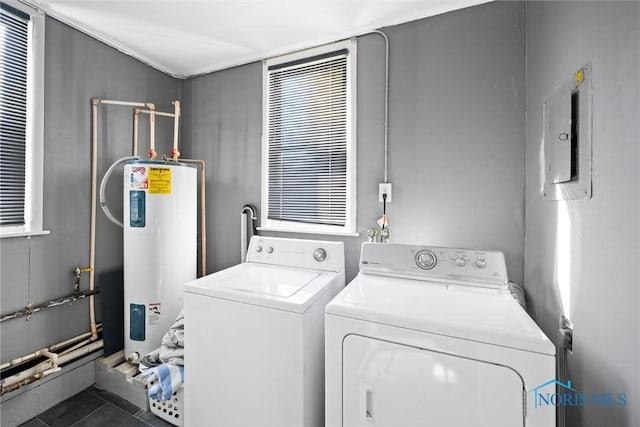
154, 313
138, 178
159, 180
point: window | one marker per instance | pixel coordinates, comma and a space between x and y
21, 121
308, 157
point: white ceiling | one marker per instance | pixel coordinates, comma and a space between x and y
189, 37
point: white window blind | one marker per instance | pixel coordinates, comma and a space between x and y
308, 136
14, 49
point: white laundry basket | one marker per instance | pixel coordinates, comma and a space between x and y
171, 410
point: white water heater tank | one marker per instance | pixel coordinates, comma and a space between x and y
160, 248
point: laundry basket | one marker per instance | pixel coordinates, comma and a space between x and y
171, 410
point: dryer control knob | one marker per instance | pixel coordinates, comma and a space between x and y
258, 248
270, 250
320, 254
480, 263
461, 262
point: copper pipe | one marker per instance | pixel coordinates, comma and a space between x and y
31, 309
174, 151
152, 133
127, 103
92, 236
20, 360
136, 117
47, 367
157, 113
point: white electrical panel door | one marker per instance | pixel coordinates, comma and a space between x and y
389, 384
558, 139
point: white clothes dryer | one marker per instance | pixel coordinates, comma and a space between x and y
254, 336
431, 336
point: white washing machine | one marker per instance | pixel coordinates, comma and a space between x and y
254, 336
431, 336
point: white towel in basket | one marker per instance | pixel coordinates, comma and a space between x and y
164, 380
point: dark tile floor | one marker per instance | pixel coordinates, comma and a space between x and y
95, 407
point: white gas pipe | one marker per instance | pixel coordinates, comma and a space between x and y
247, 218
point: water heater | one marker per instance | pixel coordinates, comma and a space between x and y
160, 255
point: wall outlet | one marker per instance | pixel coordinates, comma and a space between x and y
384, 188
565, 333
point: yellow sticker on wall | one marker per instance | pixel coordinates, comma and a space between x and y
159, 180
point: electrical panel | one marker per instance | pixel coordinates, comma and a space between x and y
567, 139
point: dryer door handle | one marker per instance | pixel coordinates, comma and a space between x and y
366, 402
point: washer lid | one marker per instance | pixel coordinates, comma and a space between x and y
284, 288
479, 314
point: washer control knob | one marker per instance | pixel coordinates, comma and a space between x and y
320, 254
461, 262
270, 250
481, 263
426, 260
259, 248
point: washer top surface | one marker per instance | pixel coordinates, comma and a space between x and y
460, 309
269, 280
284, 274
283, 288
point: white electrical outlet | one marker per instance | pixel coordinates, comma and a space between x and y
384, 188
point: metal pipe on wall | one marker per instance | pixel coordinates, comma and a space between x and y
156, 113
386, 103
92, 238
26, 358
48, 367
136, 118
247, 216
125, 103
175, 154
152, 133
31, 309
174, 151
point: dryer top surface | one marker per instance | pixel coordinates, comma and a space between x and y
480, 314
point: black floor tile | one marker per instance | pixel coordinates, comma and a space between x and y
121, 403
33, 422
110, 416
72, 410
151, 419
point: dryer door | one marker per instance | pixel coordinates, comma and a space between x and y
388, 384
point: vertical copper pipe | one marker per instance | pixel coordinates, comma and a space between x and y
136, 117
92, 239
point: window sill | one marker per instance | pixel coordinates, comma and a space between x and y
288, 230
27, 234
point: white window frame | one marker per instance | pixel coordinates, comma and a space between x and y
349, 228
34, 159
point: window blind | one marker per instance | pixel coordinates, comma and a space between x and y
307, 141
14, 44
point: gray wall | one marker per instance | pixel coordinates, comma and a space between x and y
77, 68
602, 234
456, 136
457, 162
